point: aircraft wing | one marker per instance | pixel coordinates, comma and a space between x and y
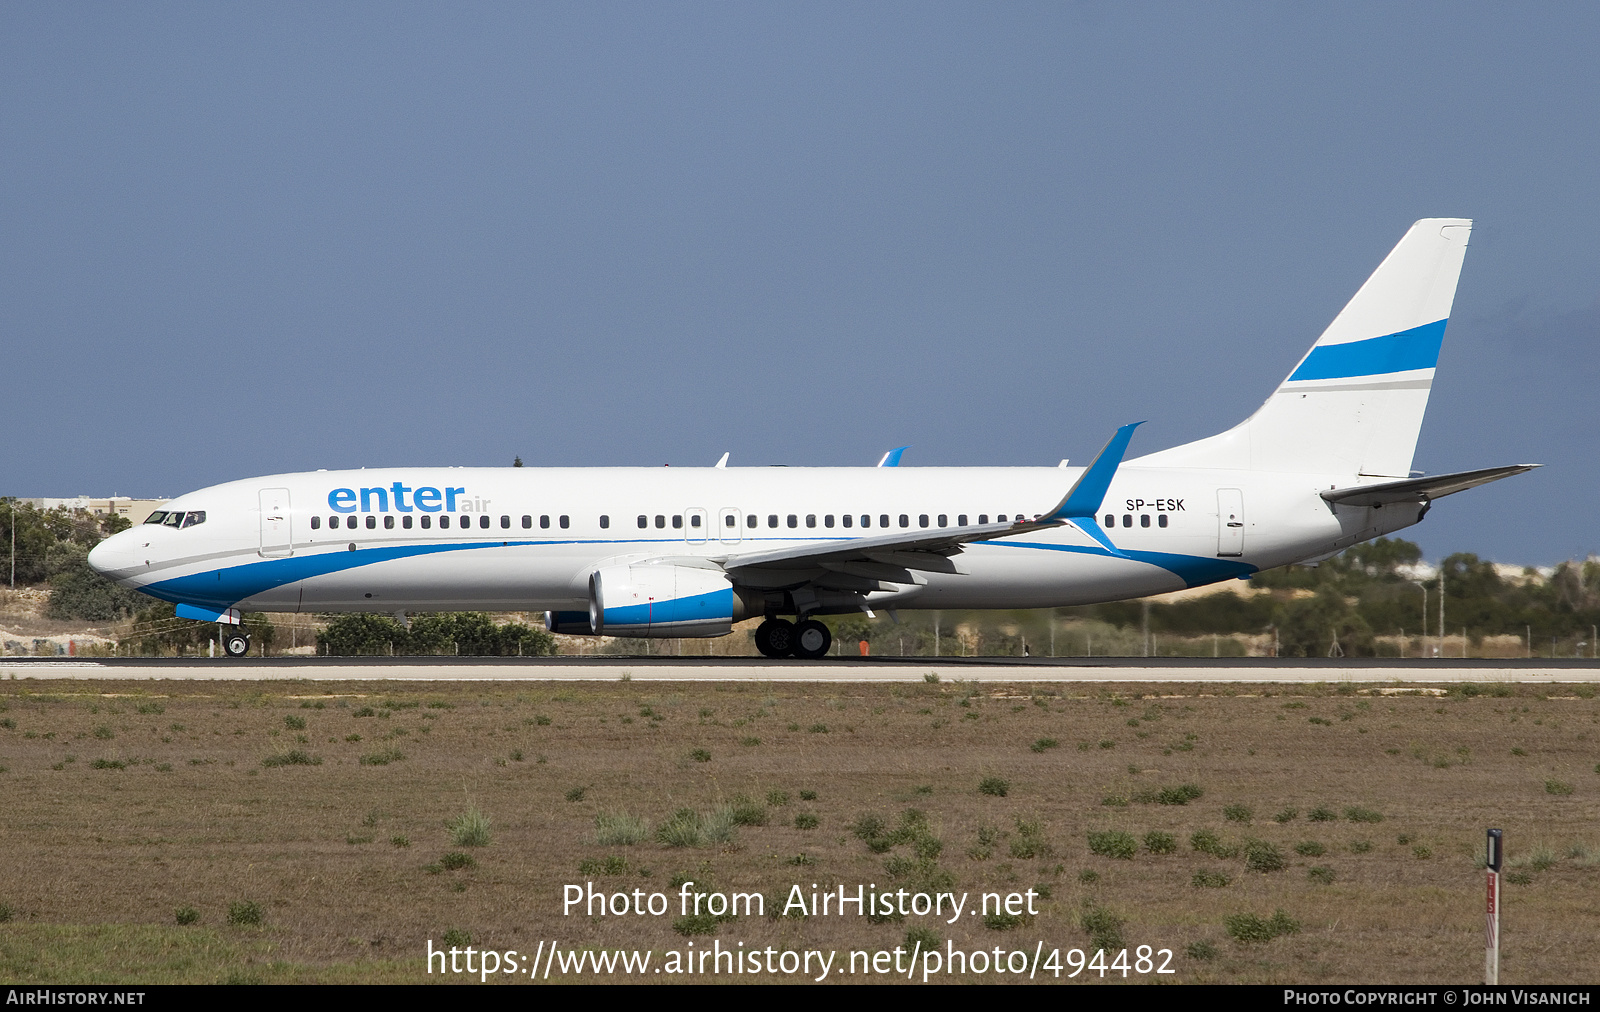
1422, 489
931, 550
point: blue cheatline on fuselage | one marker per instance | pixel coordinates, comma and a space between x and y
1417, 348
225, 587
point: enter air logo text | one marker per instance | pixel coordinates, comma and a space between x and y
426, 498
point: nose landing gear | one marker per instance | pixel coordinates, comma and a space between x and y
235, 642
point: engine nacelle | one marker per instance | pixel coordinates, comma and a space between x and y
663, 601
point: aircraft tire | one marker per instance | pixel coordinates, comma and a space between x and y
775, 638
236, 643
812, 640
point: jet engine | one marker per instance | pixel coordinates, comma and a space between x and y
663, 601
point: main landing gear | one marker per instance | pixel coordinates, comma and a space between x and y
808, 640
235, 642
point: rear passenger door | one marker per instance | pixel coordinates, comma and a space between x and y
1230, 521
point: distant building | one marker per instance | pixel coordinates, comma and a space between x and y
133, 510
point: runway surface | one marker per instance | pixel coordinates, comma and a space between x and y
877, 669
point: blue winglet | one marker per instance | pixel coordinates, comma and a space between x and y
1083, 501
892, 458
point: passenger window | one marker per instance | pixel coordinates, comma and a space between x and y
316, 523
847, 520
505, 522
905, 521
565, 521
1127, 520
605, 521
730, 521
372, 522
944, 521
694, 520
1000, 519
644, 521
751, 521
961, 520
866, 520
1144, 520
527, 522
983, 518
1111, 521
388, 522
427, 521
811, 520
794, 521
405, 521
444, 522
827, 521
661, 520
922, 520
883, 520
1161, 521
772, 519
544, 522
483, 521
677, 522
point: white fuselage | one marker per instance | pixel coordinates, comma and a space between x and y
271, 544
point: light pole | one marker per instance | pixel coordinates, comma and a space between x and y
1424, 588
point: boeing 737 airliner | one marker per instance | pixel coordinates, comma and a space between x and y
1324, 464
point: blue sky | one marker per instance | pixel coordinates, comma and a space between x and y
245, 239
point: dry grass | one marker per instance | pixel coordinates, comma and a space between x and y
182, 813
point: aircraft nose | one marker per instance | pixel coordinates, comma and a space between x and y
109, 555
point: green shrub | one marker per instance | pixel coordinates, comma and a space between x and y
577, 793
1360, 846
818, 729
151, 708
1520, 878
294, 723
1088, 876
457, 937
455, 860
994, 787
1321, 874
186, 915
1421, 852
777, 798
1030, 842
383, 758
1249, 928
1310, 848
620, 829
1209, 880
808, 795
922, 937
1113, 843
242, 913
610, 865
748, 813
469, 829
1201, 950
1259, 855
1157, 842
1044, 743
399, 841
1557, 787
700, 755
806, 820
109, 764
1356, 813
1114, 801
1287, 815
1207, 842
1103, 926
104, 733
1001, 922
696, 924
293, 757
1238, 813
1321, 814
1180, 795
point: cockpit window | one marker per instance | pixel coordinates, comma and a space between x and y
194, 517
157, 517
173, 519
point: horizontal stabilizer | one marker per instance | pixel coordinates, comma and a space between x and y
1422, 489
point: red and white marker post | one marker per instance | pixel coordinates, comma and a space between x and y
1491, 955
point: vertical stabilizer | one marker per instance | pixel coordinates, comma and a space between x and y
1354, 403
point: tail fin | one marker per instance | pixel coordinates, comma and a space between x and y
1355, 402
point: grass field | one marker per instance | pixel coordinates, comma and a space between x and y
327, 821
